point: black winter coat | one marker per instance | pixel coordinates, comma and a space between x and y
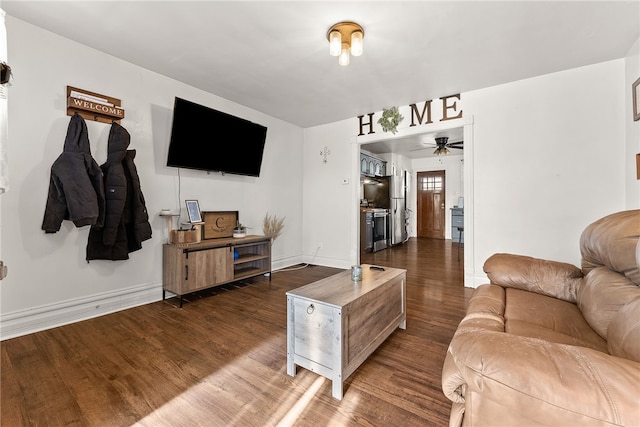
126, 223
76, 188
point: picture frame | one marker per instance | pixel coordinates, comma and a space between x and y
193, 211
635, 94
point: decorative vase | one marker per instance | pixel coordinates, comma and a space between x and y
239, 233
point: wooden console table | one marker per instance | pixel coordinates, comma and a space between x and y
209, 263
334, 324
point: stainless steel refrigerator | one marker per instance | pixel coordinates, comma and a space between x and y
398, 186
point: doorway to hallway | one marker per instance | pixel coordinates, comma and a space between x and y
405, 144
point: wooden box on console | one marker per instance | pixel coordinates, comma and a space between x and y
185, 236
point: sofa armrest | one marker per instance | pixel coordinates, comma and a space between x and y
555, 384
552, 278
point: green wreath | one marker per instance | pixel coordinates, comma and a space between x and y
390, 119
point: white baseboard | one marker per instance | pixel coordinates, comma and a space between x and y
31, 320
327, 262
277, 264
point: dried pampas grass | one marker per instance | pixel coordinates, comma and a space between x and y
272, 226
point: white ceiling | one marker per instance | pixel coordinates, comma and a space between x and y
274, 56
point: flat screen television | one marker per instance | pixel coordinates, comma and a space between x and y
210, 140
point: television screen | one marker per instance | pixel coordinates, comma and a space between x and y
207, 139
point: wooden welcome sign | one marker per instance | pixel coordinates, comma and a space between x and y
93, 106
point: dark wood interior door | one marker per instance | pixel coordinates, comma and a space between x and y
431, 197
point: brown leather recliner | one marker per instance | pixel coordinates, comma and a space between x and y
547, 343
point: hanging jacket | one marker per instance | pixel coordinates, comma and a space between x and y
126, 222
139, 229
76, 188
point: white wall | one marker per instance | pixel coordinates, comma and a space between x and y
548, 160
49, 281
632, 73
328, 203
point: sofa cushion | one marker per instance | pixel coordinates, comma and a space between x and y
612, 242
602, 295
546, 383
533, 315
487, 299
552, 278
486, 309
624, 332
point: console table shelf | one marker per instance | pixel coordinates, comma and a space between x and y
241, 273
248, 258
209, 263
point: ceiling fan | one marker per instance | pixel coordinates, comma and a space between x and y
442, 145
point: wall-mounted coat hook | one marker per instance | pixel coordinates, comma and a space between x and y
94, 106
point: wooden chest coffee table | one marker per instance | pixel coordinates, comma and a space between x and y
334, 324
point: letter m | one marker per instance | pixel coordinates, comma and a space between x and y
416, 114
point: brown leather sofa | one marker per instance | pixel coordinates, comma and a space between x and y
547, 343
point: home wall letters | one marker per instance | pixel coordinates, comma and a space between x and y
449, 109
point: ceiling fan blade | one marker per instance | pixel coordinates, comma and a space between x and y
454, 146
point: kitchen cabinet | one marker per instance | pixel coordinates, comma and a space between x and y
372, 166
209, 263
457, 220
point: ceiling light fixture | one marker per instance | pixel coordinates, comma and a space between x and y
442, 146
443, 150
345, 39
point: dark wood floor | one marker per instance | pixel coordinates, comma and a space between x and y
221, 359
